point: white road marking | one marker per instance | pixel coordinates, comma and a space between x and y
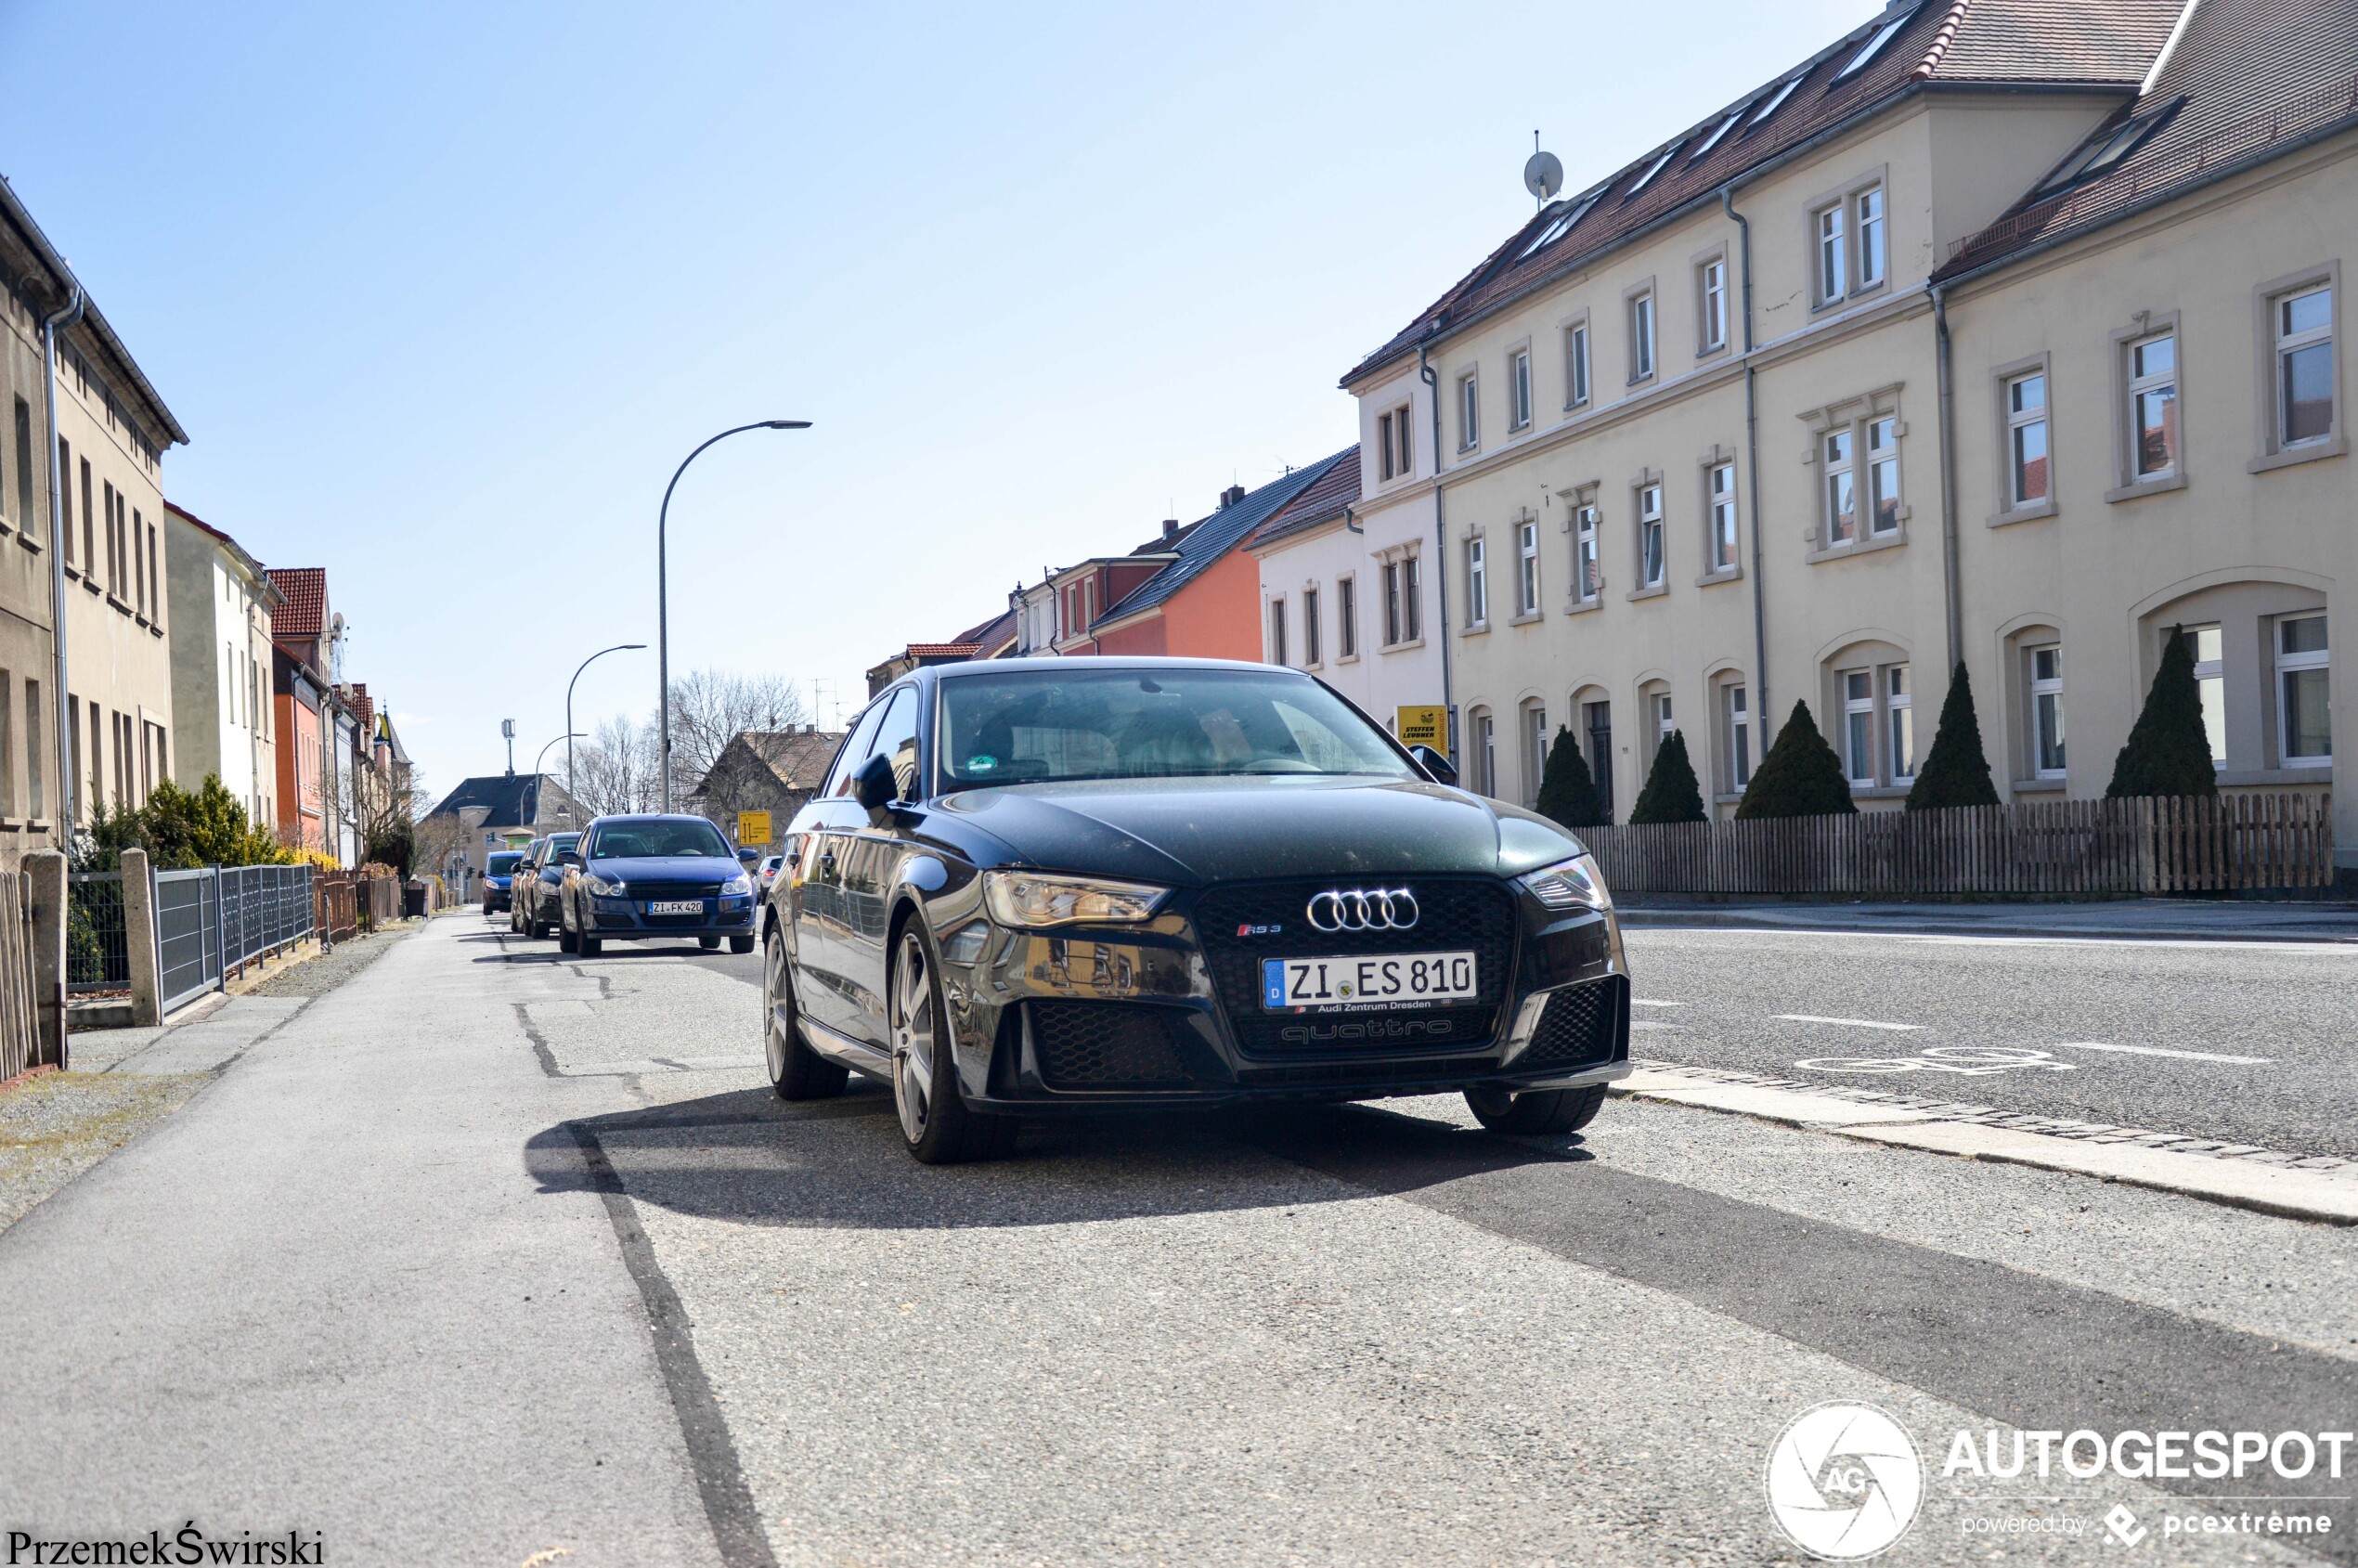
2157, 1051
1848, 1023
1641, 1001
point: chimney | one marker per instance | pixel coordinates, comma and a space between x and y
1231, 496
1170, 525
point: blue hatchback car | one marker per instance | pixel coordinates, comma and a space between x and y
499, 875
654, 879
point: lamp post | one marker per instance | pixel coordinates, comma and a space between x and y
577, 675
662, 591
544, 751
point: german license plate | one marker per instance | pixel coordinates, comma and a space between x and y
676, 906
1375, 982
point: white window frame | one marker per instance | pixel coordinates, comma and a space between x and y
1278, 630
1392, 622
1870, 239
1830, 253
1576, 364
1841, 438
1412, 597
1643, 332
1897, 683
1735, 715
1719, 486
1311, 651
1661, 713
1346, 617
1477, 584
1653, 564
2283, 346
1485, 754
1535, 742
2046, 692
1527, 567
2018, 421
1519, 391
1858, 694
2210, 681
2289, 665
2138, 388
1383, 447
1468, 412
1882, 475
1711, 289
1587, 580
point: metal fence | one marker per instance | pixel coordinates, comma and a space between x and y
212, 922
97, 940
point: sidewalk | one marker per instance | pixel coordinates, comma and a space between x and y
2148, 919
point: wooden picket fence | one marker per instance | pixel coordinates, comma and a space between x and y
20, 1011
2061, 848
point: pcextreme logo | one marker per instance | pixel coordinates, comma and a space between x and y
1844, 1481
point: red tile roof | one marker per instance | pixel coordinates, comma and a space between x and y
364, 711
304, 613
944, 650
2091, 43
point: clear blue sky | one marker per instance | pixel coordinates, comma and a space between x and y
442, 293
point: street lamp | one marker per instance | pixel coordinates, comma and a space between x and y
577, 675
662, 591
544, 751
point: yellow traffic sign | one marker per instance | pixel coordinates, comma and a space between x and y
753, 827
1423, 726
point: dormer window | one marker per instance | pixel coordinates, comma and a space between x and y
1656, 167
1884, 34
2102, 154
1775, 101
1717, 135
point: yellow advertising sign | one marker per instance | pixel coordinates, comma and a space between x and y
753, 827
1423, 726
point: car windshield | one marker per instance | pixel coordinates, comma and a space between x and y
1023, 726
502, 863
654, 837
558, 845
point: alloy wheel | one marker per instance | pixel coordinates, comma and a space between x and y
913, 1038
775, 1041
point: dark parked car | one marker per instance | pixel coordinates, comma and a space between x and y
1035, 886
527, 868
539, 893
499, 868
654, 879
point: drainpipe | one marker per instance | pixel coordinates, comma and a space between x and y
1425, 373
1952, 600
1764, 716
59, 521
1351, 519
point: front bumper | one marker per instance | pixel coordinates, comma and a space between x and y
628, 920
1153, 1016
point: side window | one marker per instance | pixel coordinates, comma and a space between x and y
855, 751
897, 738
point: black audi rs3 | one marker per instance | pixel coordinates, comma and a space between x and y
1029, 886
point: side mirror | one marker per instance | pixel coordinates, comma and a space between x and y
875, 785
748, 858
1439, 769
570, 858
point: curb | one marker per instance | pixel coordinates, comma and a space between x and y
27, 1076
2240, 1182
1639, 919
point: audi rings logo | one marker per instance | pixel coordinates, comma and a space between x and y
1844, 1481
1363, 909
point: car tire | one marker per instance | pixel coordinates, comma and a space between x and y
796, 1072
566, 941
710, 944
934, 1121
589, 946
1536, 1110
741, 944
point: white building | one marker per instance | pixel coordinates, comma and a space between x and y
221, 599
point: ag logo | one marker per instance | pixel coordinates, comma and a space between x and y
1843, 1481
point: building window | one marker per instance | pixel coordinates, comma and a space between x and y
1642, 336
1650, 560
1469, 414
1412, 597
2027, 439
1585, 583
1597, 722
1535, 750
1833, 265
1882, 475
1842, 489
1485, 757
1391, 626
24, 467
1347, 618
1722, 495
1899, 723
1711, 285
1477, 585
36, 795
2046, 711
2153, 407
1660, 721
8, 751
1576, 365
1868, 208
1519, 390
1383, 447
1737, 715
2304, 378
2211, 680
2305, 732
1858, 726
1276, 631
1310, 627
1527, 569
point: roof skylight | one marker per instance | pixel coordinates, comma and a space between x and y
1560, 225
1775, 100
2101, 155
1884, 34
1714, 139
1656, 167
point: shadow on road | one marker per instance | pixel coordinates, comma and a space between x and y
751, 1159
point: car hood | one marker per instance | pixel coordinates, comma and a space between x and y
1190, 831
665, 868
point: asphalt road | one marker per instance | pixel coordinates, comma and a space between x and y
491, 1255
2249, 1043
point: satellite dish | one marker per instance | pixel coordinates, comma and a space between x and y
1543, 175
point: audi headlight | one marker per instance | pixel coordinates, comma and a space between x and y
1572, 883
1020, 898
737, 885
